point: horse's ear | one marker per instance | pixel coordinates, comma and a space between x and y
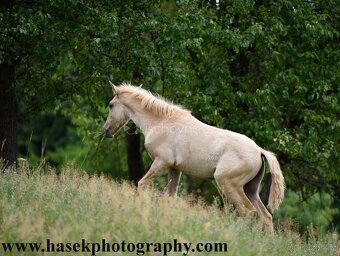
114, 88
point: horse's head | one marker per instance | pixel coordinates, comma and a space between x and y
117, 115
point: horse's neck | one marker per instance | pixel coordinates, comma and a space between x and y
143, 119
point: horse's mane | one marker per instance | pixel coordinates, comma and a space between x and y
156, 104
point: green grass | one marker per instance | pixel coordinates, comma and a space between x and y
74, 206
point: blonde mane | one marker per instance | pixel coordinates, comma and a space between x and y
156, 104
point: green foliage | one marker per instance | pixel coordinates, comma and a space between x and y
315, 212
46, 134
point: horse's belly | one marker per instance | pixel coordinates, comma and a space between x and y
199, 159
199, 169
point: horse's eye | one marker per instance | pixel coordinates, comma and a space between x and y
111, 105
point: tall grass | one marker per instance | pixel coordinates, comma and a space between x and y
73, 206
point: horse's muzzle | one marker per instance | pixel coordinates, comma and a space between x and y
107, 133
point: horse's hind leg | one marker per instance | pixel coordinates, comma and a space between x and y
251, 190
231, 181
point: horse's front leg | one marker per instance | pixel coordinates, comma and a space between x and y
174, 177
157, 168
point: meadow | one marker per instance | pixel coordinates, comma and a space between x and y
70, 206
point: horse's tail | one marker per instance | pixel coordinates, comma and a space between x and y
277, 187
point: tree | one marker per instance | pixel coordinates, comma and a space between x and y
8, 115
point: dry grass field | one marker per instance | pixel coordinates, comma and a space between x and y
72, 206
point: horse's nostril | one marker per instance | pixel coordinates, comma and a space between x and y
106, 132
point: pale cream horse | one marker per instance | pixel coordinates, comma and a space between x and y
178, 142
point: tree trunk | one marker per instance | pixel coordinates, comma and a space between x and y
8, 115
6, 4
336, 214
134, 154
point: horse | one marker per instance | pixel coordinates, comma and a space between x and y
178, 142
